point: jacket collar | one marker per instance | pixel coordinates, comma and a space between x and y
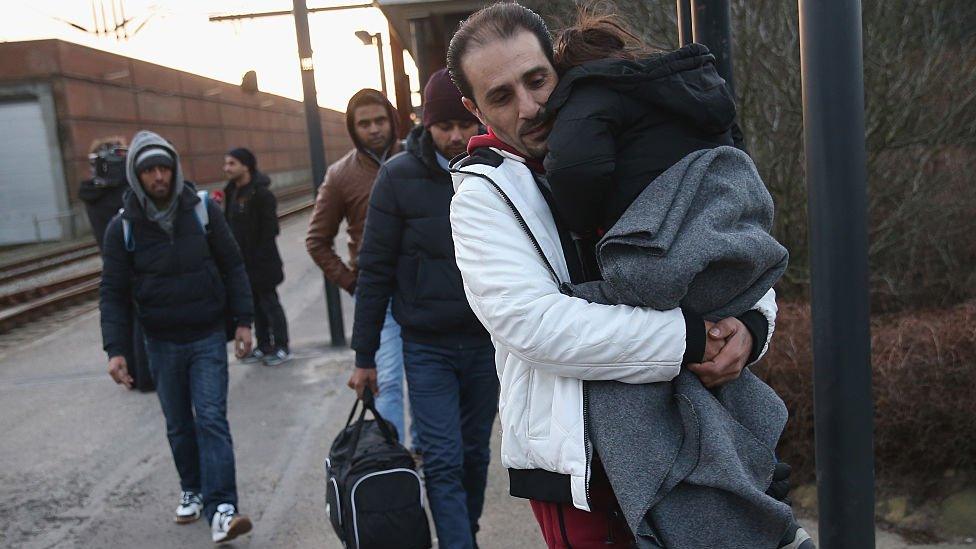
365, 158
491, 140
420, 144
132, 208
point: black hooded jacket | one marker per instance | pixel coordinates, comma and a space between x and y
620, 124
408, 254
183, 284
252, 213
102, 202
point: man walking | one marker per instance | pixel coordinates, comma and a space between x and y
372, 125
408, 255
184, 269
513, 251
252, 213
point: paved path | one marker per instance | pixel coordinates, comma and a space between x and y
84, 463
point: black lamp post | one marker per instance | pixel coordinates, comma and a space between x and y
368, 40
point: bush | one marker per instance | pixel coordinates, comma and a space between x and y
924, 375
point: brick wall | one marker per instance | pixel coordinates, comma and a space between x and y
99, 94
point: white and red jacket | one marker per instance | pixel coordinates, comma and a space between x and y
547, 343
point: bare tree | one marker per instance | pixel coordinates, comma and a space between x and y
920, 93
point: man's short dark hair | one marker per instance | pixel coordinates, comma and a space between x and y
497, 21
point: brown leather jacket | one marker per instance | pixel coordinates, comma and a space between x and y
345, 195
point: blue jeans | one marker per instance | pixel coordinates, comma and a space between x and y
389, 377
191, 381
454, 397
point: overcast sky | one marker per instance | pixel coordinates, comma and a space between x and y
178, 34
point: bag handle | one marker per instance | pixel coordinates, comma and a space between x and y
369, 403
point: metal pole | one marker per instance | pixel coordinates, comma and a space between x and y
104, 18
685, 34
115, 21
316, 147
833, 123
98, 29
711, 22
401, 84
379, 51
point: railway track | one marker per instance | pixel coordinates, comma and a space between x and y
57, 259
23, 305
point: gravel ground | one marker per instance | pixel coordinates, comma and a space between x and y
84, 463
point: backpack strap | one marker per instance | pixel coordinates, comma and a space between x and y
130, 244
201, 210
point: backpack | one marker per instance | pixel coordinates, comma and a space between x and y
374, 496
203, 217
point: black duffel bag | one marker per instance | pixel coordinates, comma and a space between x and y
374, 496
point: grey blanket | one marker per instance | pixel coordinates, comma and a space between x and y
690, 466
697, 237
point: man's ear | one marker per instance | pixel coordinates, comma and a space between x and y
473, 109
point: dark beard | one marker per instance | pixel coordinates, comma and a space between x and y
540, 120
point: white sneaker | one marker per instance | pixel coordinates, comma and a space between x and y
227, 524
257, 355
191, 505
279, 356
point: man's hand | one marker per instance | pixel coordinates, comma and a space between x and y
362, 378
713, 345
119, 370
726, 351
242, 341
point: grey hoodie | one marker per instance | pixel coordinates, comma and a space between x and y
164, 217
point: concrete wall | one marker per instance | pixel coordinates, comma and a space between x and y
97, 94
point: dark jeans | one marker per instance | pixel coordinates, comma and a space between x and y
454, 396
191, 381
270, 325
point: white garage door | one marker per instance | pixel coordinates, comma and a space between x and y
28, 190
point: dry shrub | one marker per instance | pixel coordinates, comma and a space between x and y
920, 134
924, 373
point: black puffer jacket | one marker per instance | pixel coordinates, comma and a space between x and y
408, 254
252, 213
620, 124
101, 205
181, 284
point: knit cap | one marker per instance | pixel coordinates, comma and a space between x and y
150, 157
442, 101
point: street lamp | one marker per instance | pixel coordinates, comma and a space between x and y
368, 40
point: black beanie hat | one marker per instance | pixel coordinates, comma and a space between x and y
245, 157
442, 101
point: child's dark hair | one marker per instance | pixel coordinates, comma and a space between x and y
598, 33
